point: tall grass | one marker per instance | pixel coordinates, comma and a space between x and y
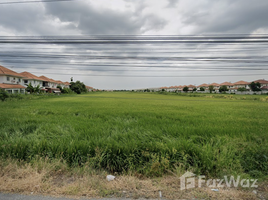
147, 133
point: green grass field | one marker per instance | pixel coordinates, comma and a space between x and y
142, 132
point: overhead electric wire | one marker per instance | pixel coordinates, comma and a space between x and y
145, 54
39, 1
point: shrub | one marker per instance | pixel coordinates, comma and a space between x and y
3, 95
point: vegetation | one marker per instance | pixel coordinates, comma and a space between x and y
33, 89
242, 89
202, 89
78, 87
3, 95
255, 86
147, 133
223, 88
185, 89
210, 88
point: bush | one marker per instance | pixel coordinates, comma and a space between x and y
3, 95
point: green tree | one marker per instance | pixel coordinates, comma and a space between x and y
211, 88
185, 89
202, 89
255, 86
78, 87
37, 89
194, 89
30, 88
242, 89
223, 88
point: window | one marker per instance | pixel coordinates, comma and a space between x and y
16, 91
14, 78
25, 81
19, 80
34, 81
9, 91
8, 78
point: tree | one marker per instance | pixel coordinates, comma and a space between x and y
185, 89
211, 88
255, 86
37, 89
242, 89
78, 87
223, 88
33, 89
30, 88
194, 89
202, 89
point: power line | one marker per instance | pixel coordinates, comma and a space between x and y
43, 1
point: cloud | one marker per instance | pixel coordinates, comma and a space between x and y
226, 16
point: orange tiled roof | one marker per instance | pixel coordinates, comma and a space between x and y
203, 85
215, 84
28, 75
241, 83
262, 81
227, 84
6, 71
11, 86
67, 83
59, 82
192, 86
44, 78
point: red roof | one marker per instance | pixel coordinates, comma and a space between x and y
6, 71
203, 85
28, 75
227, 84
215, 84
11, 86
191, 86
241, 83
261, 81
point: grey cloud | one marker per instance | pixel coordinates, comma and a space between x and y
92, 21
172, 3
232, 17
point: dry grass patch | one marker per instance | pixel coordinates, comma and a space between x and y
56, 179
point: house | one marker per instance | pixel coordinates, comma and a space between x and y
30, 78
66, 84
241, 84
50, 85
11, 81
262, 82
191, 87
204, 85
89, 89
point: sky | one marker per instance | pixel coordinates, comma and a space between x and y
129, 65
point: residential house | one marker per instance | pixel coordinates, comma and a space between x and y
241, 84
50, 85
30, 78
10, 81
204, 85
263, 82
89, 89
191, 87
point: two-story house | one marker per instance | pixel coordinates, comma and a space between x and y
11, 81
30, 78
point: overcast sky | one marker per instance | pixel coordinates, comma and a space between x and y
131, 66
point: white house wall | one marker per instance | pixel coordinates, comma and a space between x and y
10, 80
